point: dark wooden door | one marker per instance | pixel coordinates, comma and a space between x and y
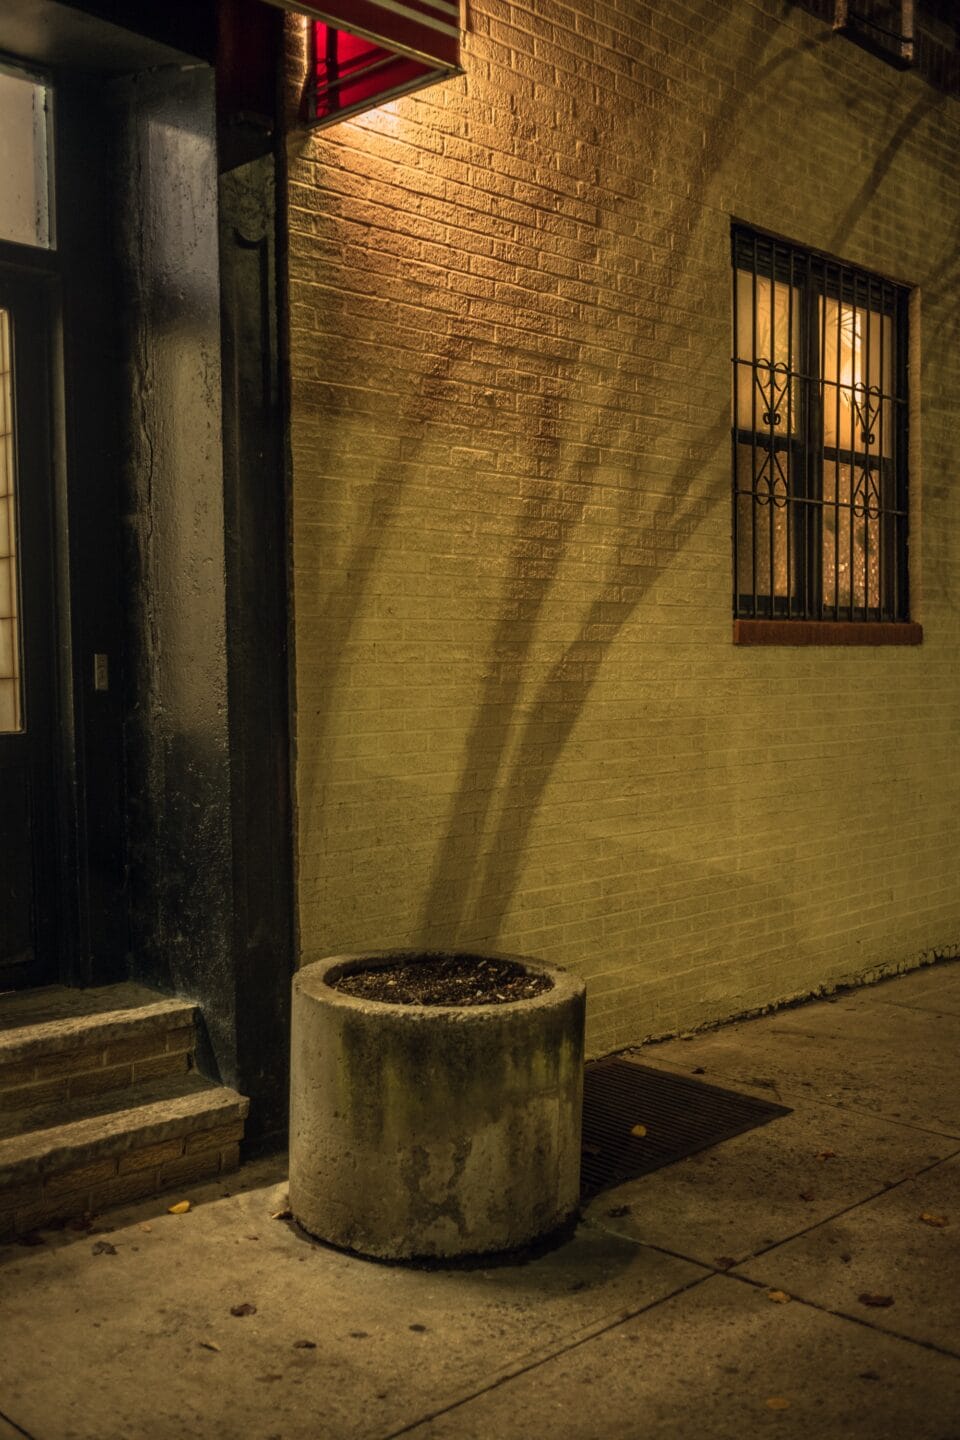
28, 771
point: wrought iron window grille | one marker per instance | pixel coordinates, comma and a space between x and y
884, 27
819, 437
879, 27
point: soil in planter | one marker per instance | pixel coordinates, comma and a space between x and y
445, 980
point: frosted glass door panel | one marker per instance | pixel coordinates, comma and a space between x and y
10, 650
24, 161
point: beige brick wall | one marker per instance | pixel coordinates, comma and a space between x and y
520, 720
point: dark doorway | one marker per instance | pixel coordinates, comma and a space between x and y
28, 701
144, 810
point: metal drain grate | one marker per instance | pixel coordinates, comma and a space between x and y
679, 1116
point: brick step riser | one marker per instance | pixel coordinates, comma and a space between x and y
117, 1180
96, 1068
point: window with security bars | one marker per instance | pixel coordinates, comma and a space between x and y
819, 437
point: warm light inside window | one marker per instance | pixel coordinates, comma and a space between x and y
819, 437
857, 377
768, 338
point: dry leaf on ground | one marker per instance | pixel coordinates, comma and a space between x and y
181, 1208
282, 1215
145, 1228
103, 1247
826, 1155
209, 1345
938, 1221
777, 1402
638, 1130
779, 1297
879, 1302
245, 1309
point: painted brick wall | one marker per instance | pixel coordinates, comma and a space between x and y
520, 720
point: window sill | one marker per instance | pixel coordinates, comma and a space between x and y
826, 632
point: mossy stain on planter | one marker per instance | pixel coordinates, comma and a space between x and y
434, 1130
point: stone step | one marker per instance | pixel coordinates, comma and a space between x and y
84, 1155
58, 1044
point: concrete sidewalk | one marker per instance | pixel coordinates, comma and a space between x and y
718, 1297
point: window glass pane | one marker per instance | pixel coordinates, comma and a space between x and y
856, 350
851, 536
768, 347
10, 715
24, 160
766, 552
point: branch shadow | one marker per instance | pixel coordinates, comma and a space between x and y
468, 864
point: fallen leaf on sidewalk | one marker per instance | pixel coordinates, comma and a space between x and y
777, 1402
103, 1247
209, 1345
145, 1228
282, 1215
936, 1220
826, 1155
879, 1302
638, 1130
779, 1297
245, 1309
304, 1344
181, 1208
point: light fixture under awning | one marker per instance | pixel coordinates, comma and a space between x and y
364, 52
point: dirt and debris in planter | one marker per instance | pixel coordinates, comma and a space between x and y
444, 980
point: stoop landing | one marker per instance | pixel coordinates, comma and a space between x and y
101, 1103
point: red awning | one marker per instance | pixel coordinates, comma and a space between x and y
364, 52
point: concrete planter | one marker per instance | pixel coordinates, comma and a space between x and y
423, 1131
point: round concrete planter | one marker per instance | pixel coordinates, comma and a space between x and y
422, 1131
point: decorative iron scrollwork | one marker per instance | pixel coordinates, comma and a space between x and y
866, 401
865, 498
771, 486
772, 382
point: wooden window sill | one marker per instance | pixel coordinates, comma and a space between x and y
826, 632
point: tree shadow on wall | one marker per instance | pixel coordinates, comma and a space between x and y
478, 866
346, 602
